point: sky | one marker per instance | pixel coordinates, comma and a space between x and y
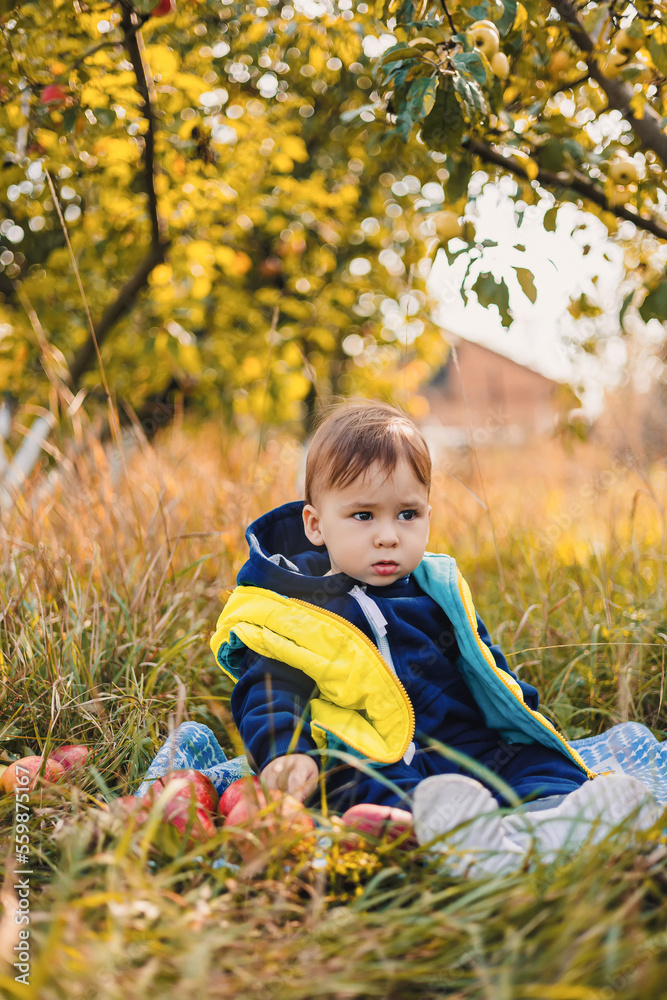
543, 336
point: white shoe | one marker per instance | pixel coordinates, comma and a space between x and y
589, 814
465, 815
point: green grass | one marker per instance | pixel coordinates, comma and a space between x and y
110, 585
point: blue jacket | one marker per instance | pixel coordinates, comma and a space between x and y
455, 683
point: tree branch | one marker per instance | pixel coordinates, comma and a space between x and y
449, 16
159, 242
561, 180
118, 308
136, 51
618, 93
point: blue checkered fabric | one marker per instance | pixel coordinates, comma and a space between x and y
629, 747
194, 745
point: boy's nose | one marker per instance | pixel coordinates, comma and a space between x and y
386, 537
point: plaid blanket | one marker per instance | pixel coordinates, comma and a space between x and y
628, 747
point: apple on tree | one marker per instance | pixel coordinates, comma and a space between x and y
500, 65
485, 37
623, 170
614, 63
627, 44
162, 8
53, 94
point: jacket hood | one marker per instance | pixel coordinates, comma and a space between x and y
284, 560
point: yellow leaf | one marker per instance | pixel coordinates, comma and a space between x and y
252, 368
193, 85
46, 138
295, 147
200, 251
163, 61
117, 150
283, 163
256, 32
15, 115
242, 263
91, 97
161, 275
637, 104
201, 287
521, 18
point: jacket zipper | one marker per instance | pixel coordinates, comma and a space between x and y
470, 611
373, 647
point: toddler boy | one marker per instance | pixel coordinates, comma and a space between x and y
348, 641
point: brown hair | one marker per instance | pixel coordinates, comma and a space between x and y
355, 435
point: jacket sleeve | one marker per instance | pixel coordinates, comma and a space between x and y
530, 694
269, 705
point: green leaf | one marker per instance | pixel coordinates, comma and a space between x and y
654, 305
552, 155
658, 53
470, 64
405, 12
397, 53
460, 172
443, 128
422, 97
479, 13
627, 301
494, 293
508, 17
583, 307
527, 282
105, 116
69, 119
472, 99
549, 221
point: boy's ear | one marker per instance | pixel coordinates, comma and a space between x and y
311, 525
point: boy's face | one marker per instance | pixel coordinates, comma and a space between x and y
376, 528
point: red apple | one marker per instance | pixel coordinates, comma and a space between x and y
180, 814
198, 788
72, 756
132, 805
162, 8
53, 94
247, 787
16, 777
383, 822
265, 823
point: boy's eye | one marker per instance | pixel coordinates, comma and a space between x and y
405, 515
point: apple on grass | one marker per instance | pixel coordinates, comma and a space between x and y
248, 787
14, 776
382, 822
72, 756
263, 822
195, 787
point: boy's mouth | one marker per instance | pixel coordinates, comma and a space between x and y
385, 568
